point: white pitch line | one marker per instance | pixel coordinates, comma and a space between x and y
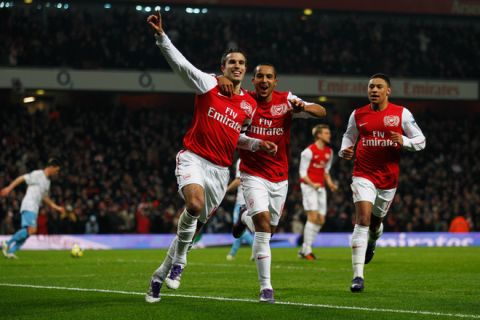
296, 304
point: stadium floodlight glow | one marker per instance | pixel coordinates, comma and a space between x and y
7, 4
2, 4
188, 10
27, 1
158, 8
196, 10
28, 99
204, 10
59, 6
167, 8
66, 6
322, 99
147, 9
39, 92
307, 12
47, 4
107, 6
139, 8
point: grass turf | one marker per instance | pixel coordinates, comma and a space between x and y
444, 283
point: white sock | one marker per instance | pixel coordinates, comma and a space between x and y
263, 258
359, 247
247, 220
372, 237
310, 233
162, 271
185, 232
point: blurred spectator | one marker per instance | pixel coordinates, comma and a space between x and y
109, 174
459, 224
86, 36
91, 227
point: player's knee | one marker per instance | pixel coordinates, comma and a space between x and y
31, 230
195, 206
262, 222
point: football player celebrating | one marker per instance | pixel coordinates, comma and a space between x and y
380, 130
209, 144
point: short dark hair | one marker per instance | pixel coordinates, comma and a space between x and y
382, 76
223, 60
265, 64
53, 162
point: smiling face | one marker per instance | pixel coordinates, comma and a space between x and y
234, 67
264, 80
378, 92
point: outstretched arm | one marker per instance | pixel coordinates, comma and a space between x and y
5, 191
53, 205
300, 106
194, 78
247, 143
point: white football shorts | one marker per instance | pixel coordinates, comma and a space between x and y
262, 195
314, 200
193, 169
364, 190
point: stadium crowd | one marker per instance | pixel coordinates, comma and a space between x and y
118, 172
87, 36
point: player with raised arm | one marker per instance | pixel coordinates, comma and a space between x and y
380, 130
38, 183
264, 179
315, 163
237, 211
209, 144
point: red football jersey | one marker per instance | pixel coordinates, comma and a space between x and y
272, 122
377, 157
320, 162
216, 125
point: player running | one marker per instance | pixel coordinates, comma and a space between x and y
264, 179
315, 163
381, 130
209, 144
38, 183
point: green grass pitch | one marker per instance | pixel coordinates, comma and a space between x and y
401, 283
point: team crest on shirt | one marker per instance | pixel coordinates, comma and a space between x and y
247, 107
391, 121
279, 109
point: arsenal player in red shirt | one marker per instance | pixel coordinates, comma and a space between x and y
264, 178
315, 163
380, 130
208, 147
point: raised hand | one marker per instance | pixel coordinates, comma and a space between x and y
155, 21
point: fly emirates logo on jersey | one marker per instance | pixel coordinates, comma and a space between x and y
378, 139
227, 118
264, 128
